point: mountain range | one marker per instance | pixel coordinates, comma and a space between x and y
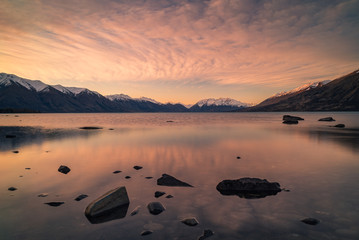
23, 95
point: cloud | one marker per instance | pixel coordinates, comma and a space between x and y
276, 43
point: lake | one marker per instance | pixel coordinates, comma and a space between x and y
316, 162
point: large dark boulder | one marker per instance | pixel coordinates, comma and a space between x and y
110, 206
248, 187
167, 180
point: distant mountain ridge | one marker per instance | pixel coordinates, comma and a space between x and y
218, 105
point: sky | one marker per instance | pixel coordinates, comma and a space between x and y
180, 51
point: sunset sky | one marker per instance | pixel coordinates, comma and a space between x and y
180, 51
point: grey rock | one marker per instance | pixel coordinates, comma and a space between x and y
206, 234
135, 211
64, 169
248, 188
339, 125
167, 180
12, 189
146, 232
291, 118
190, 221
159, 194
310, 221
80, 197
54, 204
326, 119
111, 205
155, 208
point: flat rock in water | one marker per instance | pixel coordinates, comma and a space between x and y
159, 194
12, 189
155, 208
248, 188
326, 119
64, 169
90, 128
339, 126
146, 232
111, 205
137, 167
289, 117
190, 221
290, 121
206, 234
135, 211
54, 204
80, 197
167, 180
310, 221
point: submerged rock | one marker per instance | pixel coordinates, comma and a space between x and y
310, 221
159, 194
291, 118
248, 188
339, 125
64, 169
12, 189
54, 204
137, 167
190, 221
90, 128
135, 211
206, 234
326, 119
80, 197
111, 205
155, 208
167, 180
146, 232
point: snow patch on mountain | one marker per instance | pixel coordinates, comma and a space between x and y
222, 102
34, 85
302, 88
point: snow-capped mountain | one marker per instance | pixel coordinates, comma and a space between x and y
124, 97
34, 85
218, 105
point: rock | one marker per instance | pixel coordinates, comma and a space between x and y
148, 177
290, 121
43, 195
10, 136
167, 180
169, 121
15, 151
54, 204
135, 211
169, 196
117, 171
291, 118
90, 128
80, 197
326, 119
159, 194
238, 157
64, 169
248, 188
340, 126
127, 177
111, 205
310, 221
155, 208
137, 167
146, 232
190, 221
12, 189
27, 168
206, 234
111, 129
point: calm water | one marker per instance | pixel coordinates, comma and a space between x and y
317, 163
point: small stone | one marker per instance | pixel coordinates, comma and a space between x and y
159, 194
146, 232
168, 180
110, 129
135, 211
137, 167
127, 177
64, 169
340, 126
310, 221
12, 189
169, 121
80, 197
155, 208
117, 171
238, 157
43, 195
326, 119
15, 151
27, 168
148, 177
54, 204
21, 176
190, 221
206, 234
169, 196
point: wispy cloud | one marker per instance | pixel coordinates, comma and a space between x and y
262, 43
